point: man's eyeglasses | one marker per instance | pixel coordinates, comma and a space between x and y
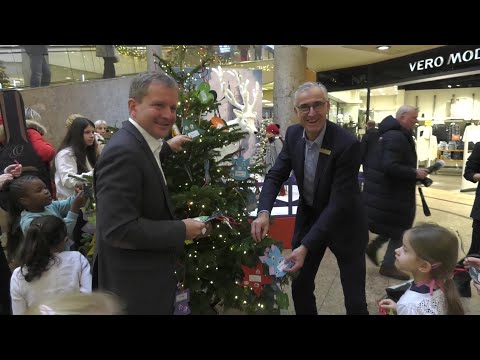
305, 108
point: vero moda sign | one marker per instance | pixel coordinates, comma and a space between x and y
451, 59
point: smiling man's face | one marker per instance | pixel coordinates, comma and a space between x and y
312, 108
156, 112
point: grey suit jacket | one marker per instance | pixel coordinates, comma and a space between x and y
138, 238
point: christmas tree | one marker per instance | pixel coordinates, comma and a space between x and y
224, 268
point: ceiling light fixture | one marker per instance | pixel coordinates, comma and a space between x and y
383, 47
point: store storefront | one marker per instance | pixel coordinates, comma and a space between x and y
444, 83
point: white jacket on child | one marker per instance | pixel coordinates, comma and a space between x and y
69, 273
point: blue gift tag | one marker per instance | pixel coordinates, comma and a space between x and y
240, 169
191, 129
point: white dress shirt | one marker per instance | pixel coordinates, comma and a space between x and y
154, 144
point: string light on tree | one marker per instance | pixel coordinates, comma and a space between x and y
201, 186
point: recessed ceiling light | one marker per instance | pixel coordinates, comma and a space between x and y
383, 47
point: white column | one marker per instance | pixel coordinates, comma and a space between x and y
290, 62
150, 59
26, 72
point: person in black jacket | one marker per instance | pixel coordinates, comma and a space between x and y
11, 172
110, 57
369, 140
41, 75
389, 192
369, 152
472, 173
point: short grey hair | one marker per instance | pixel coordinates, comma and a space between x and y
371, 124
100, 122
141, 83
404, 109
307, 86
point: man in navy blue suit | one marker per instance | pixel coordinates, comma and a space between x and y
138, 236
325, 159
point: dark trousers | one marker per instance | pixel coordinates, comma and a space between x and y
94, 274
352, 276
5, 274
475, 246
41, 75
258, 52
108, 67
394, 237
77, 232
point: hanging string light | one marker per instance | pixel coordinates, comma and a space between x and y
138, 52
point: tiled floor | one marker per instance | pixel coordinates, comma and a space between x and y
449, 207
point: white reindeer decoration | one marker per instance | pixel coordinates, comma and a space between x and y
245, 113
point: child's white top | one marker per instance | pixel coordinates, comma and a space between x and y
65, 164
415, 303
69, 273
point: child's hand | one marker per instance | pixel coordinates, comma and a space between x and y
79, 202
15, 170
78, 187
388, 304
471, 261
5, 179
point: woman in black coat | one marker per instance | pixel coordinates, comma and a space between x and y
389, 191
472, 173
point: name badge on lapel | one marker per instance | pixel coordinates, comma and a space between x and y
325, 151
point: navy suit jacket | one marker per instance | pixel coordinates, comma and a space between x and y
138, 238
337, 218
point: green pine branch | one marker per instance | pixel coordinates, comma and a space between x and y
202, 184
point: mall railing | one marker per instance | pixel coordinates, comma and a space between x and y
78, 63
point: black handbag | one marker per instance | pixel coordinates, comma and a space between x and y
395, 292
461, 277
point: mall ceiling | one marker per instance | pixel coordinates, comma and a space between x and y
331, 57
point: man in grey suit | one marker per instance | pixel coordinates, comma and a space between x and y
138, 238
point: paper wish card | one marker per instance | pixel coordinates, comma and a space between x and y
240, 169
182, 297
474, 274
191, 129
275, 261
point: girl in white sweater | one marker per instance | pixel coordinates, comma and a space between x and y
47, 270
430, 253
